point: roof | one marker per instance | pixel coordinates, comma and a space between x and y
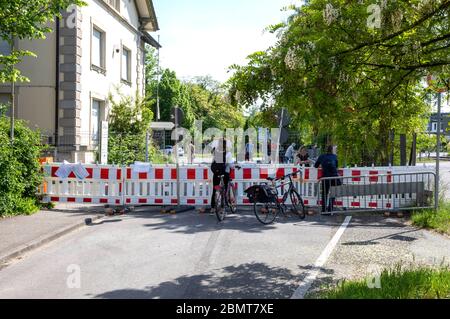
150, 40
147, 15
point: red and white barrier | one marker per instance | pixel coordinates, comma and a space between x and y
123, 186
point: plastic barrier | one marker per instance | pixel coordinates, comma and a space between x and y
158, 186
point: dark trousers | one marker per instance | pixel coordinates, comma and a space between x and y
216, 182
327, 203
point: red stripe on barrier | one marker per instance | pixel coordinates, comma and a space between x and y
205, 174
87, 200
143, 175
159, 173
280, 173
306, 202
373, 205
117, 201
173, 174
54, 170
356, 173
341, 172
142, 201
119, 174
246, 201
205, 201
319, 174
54, 199
373, 178
191, 174
71, 200
104, 201
306, 174
232, 174
339, 203
191, 201
389, 177
90, 172
128, 201
247, 173
174, 201
104, 173
388, 205
128, 173
355, 204
263, 173
159, 201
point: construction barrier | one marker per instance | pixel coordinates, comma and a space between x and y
157, 186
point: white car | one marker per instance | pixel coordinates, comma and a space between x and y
169, 151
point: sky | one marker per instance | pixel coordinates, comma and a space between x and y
205, 37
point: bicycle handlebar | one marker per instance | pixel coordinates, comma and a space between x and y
271, 179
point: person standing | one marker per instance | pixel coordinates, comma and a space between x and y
303, 157
329, 164
289, 156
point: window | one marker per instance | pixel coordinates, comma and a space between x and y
98, 48
434, 127
126, 65
95, 122
114, 4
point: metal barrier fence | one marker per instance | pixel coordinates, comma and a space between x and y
158, 185
386, 192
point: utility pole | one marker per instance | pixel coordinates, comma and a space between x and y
158, 112
13, 98
438, 153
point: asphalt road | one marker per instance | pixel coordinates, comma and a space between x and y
177, 256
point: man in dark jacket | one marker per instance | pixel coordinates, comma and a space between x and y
329, 164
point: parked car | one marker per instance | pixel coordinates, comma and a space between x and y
169, 151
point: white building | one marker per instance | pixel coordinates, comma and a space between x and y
93, 51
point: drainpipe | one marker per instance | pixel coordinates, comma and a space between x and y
57, 83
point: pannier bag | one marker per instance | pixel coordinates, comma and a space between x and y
262, 194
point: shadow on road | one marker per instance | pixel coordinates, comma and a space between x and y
247, 281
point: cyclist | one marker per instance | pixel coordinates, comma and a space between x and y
221, 166
329, 164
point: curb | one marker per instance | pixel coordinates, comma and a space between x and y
43, 240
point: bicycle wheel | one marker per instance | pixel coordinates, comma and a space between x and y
266, 213
231, 198
298, 207
221, 212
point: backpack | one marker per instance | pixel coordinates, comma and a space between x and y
262, 194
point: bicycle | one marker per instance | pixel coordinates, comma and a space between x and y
225, 198
266, 213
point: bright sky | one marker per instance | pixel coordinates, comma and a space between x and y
205, 37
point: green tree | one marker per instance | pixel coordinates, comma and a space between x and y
129, 121
25, 19
342, 77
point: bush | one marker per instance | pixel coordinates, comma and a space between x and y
20, 172
430, 219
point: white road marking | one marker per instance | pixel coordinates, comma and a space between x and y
312, 275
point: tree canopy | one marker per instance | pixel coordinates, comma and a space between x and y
25, 19
351, 70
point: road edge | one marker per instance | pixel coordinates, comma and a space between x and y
43, 240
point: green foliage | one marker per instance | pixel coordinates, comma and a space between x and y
20, 172
25, 19
343, 79
430, 219
202, 98
397, 283
128, 124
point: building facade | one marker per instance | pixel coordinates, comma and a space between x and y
93, 51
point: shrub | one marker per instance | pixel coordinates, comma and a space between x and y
439, 221
20, 172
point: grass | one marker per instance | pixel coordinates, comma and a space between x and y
396, 283
430, 219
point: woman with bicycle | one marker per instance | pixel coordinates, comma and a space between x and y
221, 166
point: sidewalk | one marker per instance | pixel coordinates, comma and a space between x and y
21, 234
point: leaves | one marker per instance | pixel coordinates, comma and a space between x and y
341, 77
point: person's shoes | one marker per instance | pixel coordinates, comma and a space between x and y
212, 211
